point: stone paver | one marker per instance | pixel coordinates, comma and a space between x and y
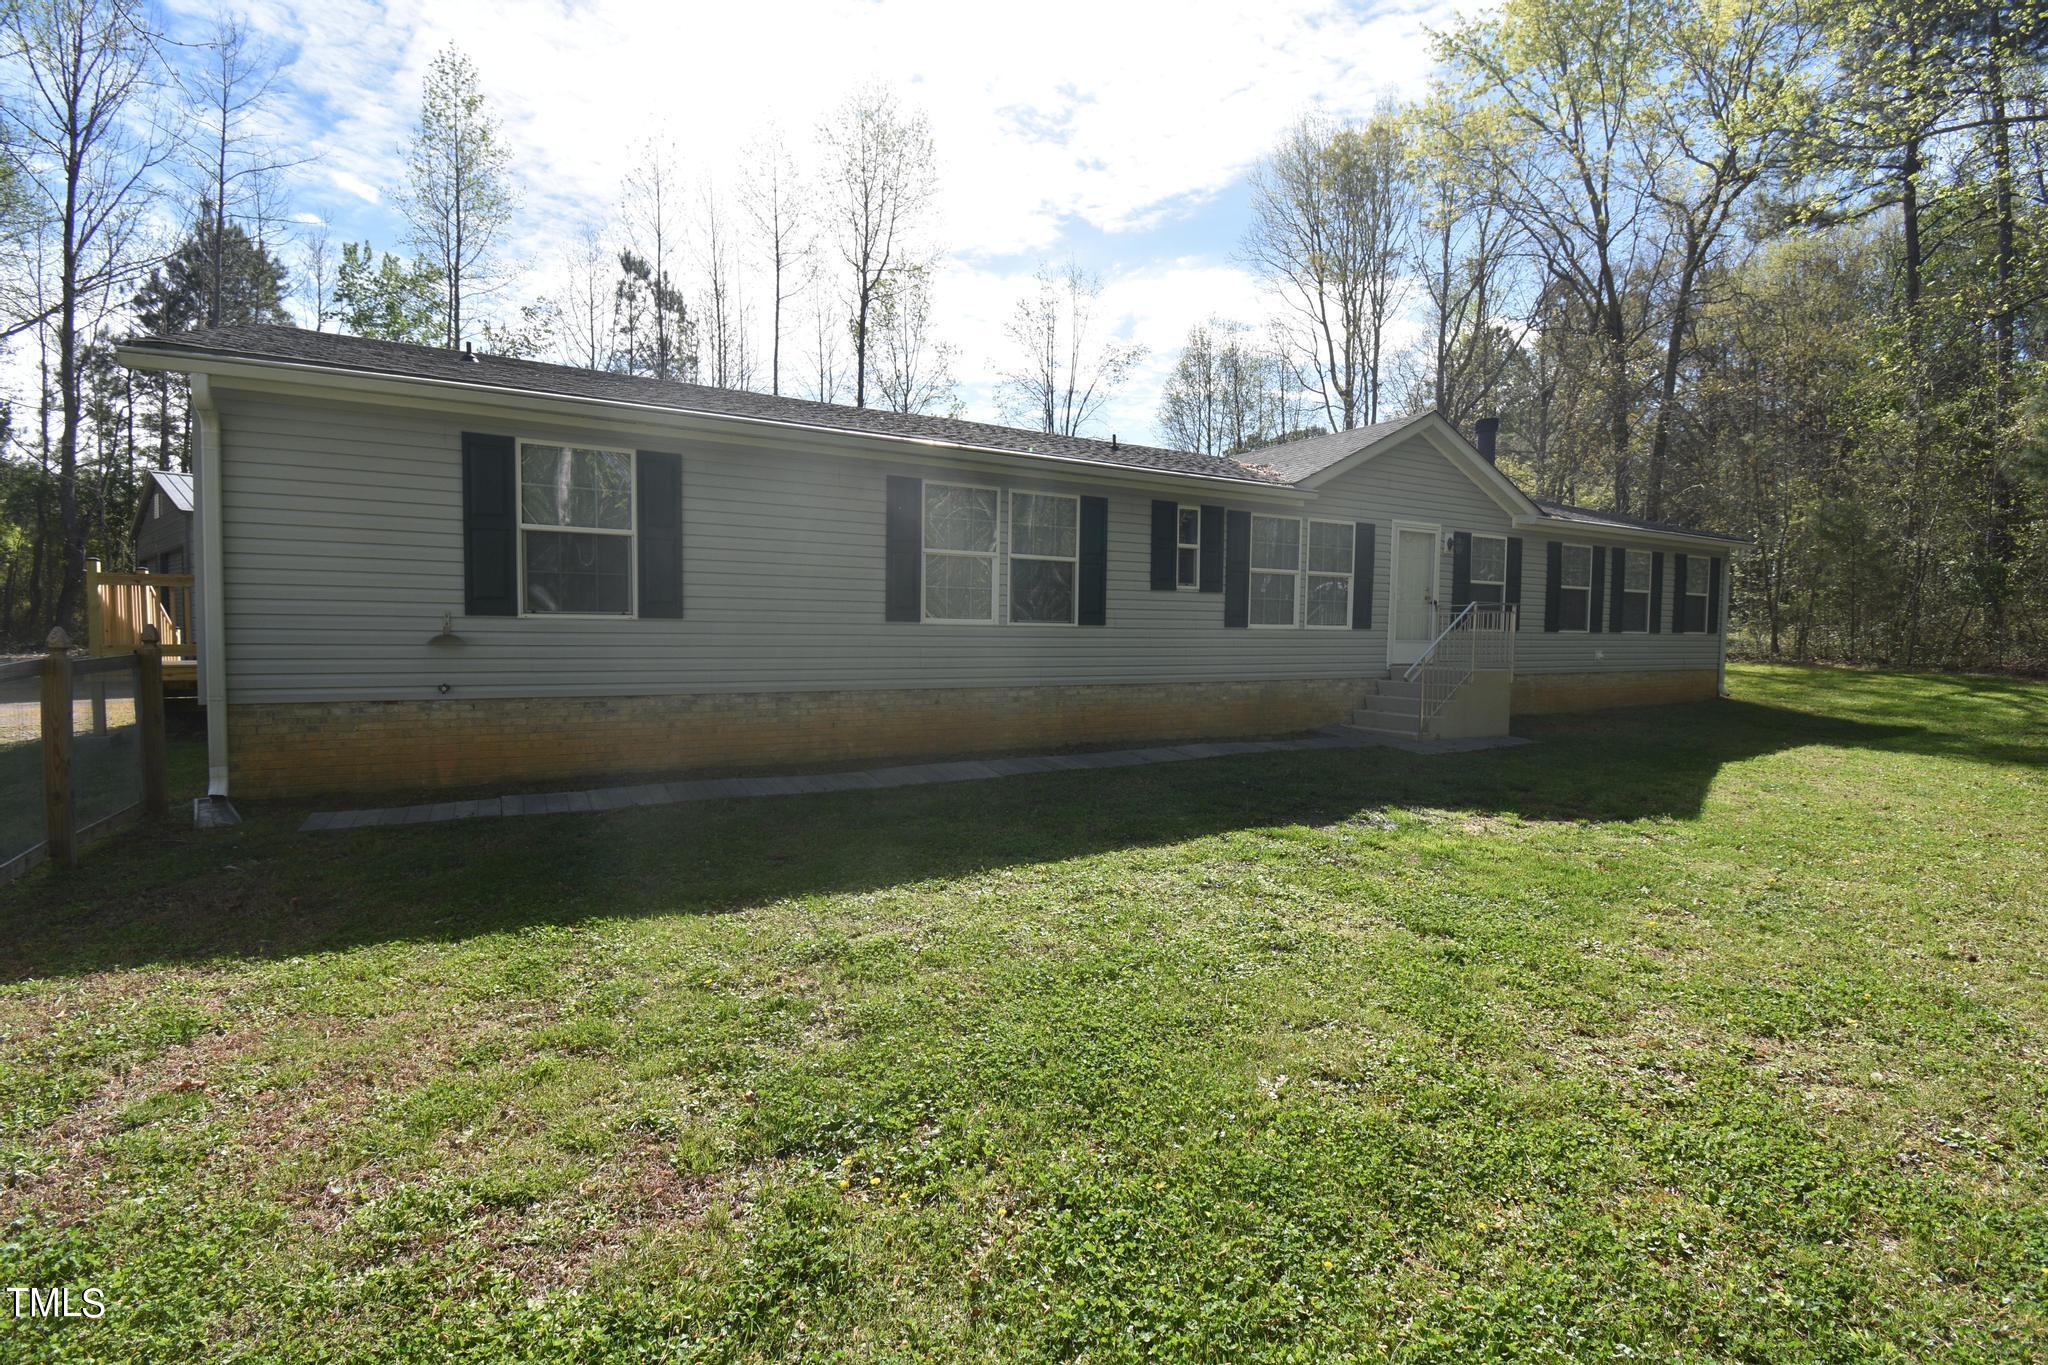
901, 775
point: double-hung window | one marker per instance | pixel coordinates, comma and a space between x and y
1575, 587
1635, 590
1188, 547
1045, 558
1698, 581
575, 530
1489, 570
1275, 571
1329, 574
960, 526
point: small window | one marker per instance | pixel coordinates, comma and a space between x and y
156, 504
576, 530
1490, 570
1329, 574
960, 553
1698, 579
1045, 550
1635, 590
1575, 587
1276, 571
1188, 549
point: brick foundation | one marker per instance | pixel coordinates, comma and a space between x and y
1547, 693
316, 748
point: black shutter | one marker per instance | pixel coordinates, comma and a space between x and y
1599, 590
1212, 548
1513, 594
1678, 595
1461, 568
1092, 606
904, 548
1714, 597
1237, 569
659, 482
1614, 592
1362, 566
490, 525
1165, 545
1656, 591
1553, 564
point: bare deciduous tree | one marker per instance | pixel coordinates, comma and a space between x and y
881, 175
459, 193
1061, 376
774, 199
653, 209
234, 165
913, 369
725, 360
82, 141
588, 330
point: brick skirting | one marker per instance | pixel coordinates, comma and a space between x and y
311, 748
1546, 693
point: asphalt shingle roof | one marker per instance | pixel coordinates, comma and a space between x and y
1559, 511
330, 350
1298, 459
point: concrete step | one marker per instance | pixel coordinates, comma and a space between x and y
1394, 687
1400, 719
1402, 731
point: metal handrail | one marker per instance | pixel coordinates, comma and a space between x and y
1441, 636
1441, 677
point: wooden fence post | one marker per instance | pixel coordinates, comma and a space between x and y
149, 718
58, 815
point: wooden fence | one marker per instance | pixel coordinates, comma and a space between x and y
59, 672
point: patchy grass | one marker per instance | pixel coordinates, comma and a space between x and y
1708, 1033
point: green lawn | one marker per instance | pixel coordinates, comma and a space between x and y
1715, 1032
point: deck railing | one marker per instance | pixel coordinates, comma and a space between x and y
1479, 638
119, 605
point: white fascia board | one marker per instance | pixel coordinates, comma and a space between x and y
443, 395
1592, 532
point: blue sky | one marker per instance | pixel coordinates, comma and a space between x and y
1117, 134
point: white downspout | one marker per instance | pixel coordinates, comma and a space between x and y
213, 670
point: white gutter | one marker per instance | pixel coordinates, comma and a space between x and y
213, 667
330, 378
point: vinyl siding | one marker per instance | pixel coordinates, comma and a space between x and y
343, 551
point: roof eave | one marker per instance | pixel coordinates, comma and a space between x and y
1546, 521
258, 369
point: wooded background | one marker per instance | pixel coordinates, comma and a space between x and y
1770, 268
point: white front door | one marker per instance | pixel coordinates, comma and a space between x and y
1413, 593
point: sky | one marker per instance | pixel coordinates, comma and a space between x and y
1119, 135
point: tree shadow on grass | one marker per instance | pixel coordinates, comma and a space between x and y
264, 891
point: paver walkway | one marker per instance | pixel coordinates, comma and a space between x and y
910, 775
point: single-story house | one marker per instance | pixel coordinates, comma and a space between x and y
441, 569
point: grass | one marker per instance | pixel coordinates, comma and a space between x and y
1711, 1033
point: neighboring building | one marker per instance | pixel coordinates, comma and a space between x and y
163, 523
445, 570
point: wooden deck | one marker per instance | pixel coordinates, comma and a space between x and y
119, 605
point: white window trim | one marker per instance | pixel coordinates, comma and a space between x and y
1309, 576
1009, 537
993, 556
1705, 578
632, 613
1562, 628
1644, 592
1180, 545
1474, 581
1298, 573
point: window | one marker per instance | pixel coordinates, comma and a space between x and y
1490, 570
1045, 550
1635, 590
156, 504
1188, 547
1575, 588
1276, 570
1329, 574
960, 552
575, 530
1699, 577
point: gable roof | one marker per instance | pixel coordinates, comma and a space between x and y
1298, 459
175, 485
332, 351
